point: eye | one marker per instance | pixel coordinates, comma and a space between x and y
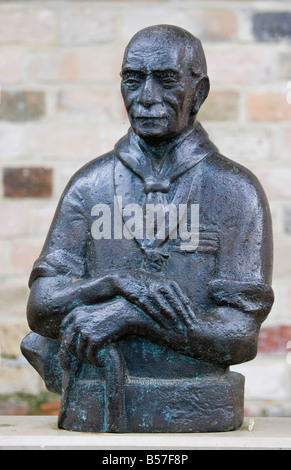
168, 79
132, 82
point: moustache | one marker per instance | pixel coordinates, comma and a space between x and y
155, 112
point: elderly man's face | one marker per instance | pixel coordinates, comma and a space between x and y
158, 90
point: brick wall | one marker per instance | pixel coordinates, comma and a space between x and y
61, 106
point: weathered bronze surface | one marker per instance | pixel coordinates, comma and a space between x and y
156, 273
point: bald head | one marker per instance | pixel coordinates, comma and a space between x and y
172, 36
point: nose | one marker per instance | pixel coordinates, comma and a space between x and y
148, 93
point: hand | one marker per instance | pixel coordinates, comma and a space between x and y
86, 330
162, 300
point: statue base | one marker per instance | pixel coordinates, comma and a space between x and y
139, 389
205, 404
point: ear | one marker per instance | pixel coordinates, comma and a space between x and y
202, 87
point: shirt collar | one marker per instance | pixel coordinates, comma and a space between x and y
180, 156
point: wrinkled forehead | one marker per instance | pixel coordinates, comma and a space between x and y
147, 55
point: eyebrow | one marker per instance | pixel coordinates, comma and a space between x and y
170, 71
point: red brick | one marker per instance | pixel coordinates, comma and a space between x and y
269, 106
50, 408
274, 339
27, 182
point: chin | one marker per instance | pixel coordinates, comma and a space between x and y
151, 133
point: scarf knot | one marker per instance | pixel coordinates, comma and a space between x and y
155, 185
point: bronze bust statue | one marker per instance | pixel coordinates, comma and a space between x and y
155, 276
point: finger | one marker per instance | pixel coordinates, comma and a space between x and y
72, 342
65, 357
166, 305
173, 300
189, 316
162, 311
180, 304
152, 308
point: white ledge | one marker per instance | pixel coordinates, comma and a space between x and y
41, 432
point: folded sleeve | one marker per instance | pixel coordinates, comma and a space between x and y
250, 297
57, 263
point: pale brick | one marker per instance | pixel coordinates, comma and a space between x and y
221, 105
280, 313
130, 1
100, 64
239, 65
18, 379
27, 26
269, 106
95, 64
12, 65
287, 219
97, 104
53, 66
265, 379
220, 25
109, 135
242, 144
3, 270
14, 219
142, 16
285, 65
12, 142
86, 25
276, 181
282, 265
69, 141
286, 141
211, 25
13, 298
41, 218
12, 332
284, 296
22, 256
